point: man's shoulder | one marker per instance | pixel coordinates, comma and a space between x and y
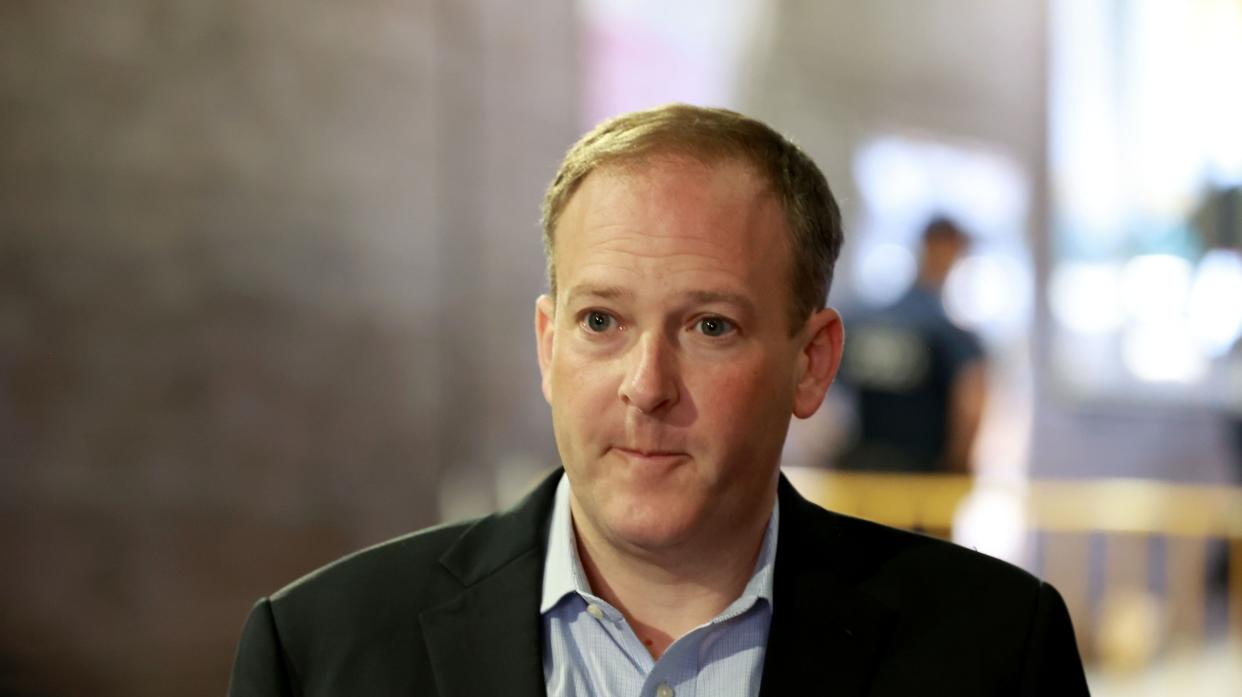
403, 559
415, 572
401, 575
952, 620
922, 555
905, 569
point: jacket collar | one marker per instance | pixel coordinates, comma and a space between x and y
487, 640
563, 573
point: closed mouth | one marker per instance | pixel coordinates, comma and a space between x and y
641, 452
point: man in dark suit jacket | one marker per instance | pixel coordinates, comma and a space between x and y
863, 610
690, 252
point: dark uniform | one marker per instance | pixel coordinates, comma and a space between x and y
901, 363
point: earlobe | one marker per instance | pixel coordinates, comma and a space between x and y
818, 362
545, 328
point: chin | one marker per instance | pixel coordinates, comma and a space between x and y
648, 523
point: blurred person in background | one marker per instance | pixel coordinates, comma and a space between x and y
690, 252
919, 380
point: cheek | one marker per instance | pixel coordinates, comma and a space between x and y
743, 400
582, 387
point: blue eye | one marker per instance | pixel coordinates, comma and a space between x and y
715, 326
597, 321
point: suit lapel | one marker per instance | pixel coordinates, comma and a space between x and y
824, 631
487, 640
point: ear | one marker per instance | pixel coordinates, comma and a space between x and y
545, 329
818, 358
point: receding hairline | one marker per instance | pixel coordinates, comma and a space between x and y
638, 163
642, 166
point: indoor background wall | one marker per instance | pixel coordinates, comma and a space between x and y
267, 273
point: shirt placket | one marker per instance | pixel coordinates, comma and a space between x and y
674, 675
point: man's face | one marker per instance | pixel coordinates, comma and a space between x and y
667, 357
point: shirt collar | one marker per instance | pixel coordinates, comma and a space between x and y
563, 574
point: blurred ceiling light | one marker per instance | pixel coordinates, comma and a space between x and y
1155, 287
1162, 352
884, 272
1085, 296
989, 187
1214, 309
1083, 118
1162, 98
989, 293
891, 176
908, 179
1222, 35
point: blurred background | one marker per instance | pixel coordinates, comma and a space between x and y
267, 273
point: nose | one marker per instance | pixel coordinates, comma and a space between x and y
650, 382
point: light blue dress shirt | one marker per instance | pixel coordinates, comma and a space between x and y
589, 650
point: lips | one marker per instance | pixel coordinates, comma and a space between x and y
646, 452
649, 454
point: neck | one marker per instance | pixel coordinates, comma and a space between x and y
666, 593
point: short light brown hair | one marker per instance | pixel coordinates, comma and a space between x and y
711, 135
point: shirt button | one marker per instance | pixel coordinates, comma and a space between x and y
597, 613
664, 690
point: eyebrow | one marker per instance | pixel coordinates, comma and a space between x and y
601, 292
701, 297
704, 297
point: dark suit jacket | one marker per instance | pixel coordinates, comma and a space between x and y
858, 609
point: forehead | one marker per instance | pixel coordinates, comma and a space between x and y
675, 224
723, 202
